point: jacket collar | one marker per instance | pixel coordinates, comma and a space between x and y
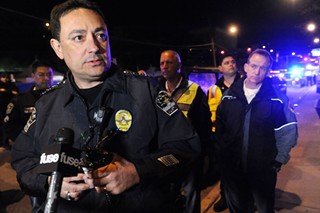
266, 90
114, 82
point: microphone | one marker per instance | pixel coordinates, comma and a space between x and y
59, 159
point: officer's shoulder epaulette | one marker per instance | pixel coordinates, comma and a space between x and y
54, 87
132, 73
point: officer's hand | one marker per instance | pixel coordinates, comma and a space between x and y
73, 187
115, 178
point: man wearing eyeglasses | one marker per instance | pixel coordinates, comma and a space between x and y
255, 130
21, 106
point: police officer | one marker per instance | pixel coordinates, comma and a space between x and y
21, 106
154, 146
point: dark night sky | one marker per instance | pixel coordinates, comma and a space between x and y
140, 30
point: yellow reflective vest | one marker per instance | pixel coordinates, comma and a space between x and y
214, 98
185, 100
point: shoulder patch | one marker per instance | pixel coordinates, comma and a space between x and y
165, 103
31, 121
131, 73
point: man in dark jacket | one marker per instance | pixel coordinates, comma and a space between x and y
255, 129
153, 144
193, 102
21, 106
229, 71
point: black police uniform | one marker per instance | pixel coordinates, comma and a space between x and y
18, 112
7, 91
159, 141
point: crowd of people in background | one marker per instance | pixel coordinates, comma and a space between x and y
173, 141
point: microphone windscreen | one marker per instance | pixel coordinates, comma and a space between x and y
64, 135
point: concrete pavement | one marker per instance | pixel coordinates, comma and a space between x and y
298, 187
299, 181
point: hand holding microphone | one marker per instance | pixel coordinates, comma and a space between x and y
115, 177
73, 187
59, 160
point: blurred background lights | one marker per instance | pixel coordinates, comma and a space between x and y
233, 29
311, 27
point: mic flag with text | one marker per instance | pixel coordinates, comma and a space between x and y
61, 156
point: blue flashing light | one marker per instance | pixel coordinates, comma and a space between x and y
296, 71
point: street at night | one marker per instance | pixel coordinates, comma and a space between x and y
298, 188
192, 39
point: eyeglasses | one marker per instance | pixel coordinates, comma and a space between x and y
255, 67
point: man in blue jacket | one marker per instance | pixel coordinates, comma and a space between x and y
255, 129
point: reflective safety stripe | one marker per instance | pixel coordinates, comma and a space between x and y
186, 99
214, 99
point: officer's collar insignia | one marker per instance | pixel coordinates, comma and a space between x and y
28, 110
31, 120
123, 119
165, 103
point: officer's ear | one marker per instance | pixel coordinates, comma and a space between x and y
246, 67
56, 46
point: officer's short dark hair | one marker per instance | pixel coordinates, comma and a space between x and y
37, 64
64, 8
226, 56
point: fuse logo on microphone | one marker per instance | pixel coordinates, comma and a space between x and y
54, 158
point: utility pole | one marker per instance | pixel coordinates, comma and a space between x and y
213, 52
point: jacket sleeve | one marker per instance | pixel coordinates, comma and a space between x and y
287, 134
25, 159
